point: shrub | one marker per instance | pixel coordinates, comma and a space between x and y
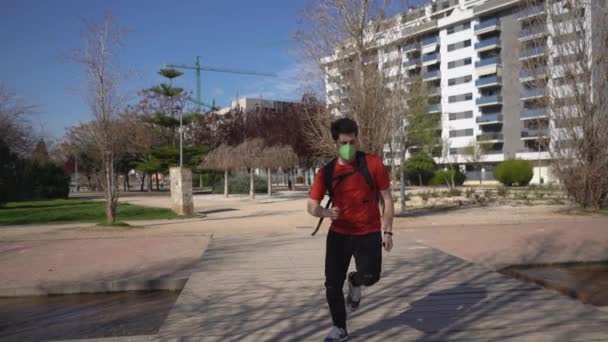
239, 184
454, 193
210, 178
444, 177
419, 169
425, 196
514, 172
502, 192
523, 195
469, 193
24, 179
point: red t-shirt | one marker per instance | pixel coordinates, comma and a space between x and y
359, 210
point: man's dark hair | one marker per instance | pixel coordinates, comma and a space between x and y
343, 126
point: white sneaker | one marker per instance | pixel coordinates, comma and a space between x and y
353, 299
337, 335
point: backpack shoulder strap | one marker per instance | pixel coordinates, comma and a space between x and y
362, 166
328, 174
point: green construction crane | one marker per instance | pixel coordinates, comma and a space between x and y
197, 67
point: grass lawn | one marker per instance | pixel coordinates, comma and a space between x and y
72, 210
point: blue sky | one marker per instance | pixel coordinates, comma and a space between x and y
37, 37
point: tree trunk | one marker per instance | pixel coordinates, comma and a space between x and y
402, 186
269, 182
157, 186
200, 180
480, 175
128, 183
420, 179
143, 179
251, 184
226, 183
307, 178
109, 189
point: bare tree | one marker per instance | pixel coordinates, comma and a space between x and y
274, 157
250, 157
449, 162
474, 153
102, 41
15, 126
341, 38
221, 159
573, 61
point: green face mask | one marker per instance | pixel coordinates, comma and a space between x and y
347, 152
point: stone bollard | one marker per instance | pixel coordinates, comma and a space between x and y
181, 190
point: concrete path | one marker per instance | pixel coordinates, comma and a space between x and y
270, 288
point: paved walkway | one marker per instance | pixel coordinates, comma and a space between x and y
259, 288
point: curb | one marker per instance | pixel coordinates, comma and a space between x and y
96, 287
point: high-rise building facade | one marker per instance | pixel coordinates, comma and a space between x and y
481, 59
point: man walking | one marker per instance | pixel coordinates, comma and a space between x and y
357, 184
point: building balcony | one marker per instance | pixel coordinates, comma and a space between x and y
528, 154
490, 81
435, 108
489, 119
430, 40
412, 64
410, 79
531, 12
489, 100
535, 113
410, 47
528, 134
435, 91
532, 33
488, 44
532, 93
431, 58
443, 5
532, 53
488, 25
431, 75
486, 62
527, 75
490, 137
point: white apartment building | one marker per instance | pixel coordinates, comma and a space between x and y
475, 54
251, 104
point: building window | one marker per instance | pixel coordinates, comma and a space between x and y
459, 27
460, 98
568, 16
459, 63
460, 80
458, 150
560, 60
459, 45
461, 115
461, 133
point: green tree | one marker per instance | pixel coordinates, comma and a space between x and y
418, 127
419, 169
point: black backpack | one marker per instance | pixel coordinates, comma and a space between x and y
328, 179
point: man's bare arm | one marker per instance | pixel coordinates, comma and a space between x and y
389, 210
315, 209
